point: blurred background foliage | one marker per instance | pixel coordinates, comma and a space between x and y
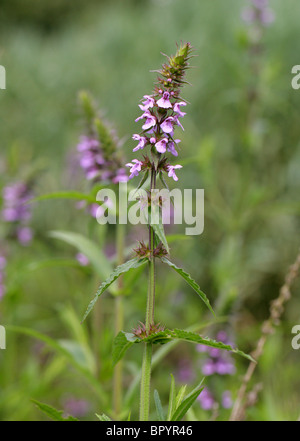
241, 144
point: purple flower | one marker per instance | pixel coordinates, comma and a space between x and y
178, 122
227, 400
82, 259
96, 165
87, 143
150, 120
167, 125
135, 167
161, 146
16, 207
206, 399
259, 12
171, 147
76, 407
208, 368
267, 16
24, 235
148, 103
224, 367
219, 362
93, 209
142, 141
164, 101
185, 372
171, 171
17, 210
121, 176
177, 110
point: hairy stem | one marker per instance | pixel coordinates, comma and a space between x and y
147, 358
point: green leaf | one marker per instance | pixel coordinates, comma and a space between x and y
159, 408
168, 335
185, 405
162, 179
172, 406
56, 346
158, 227
193, 284
88, 248
143, 180
103, 417
65, 195
180, 396
51, 412
121, 343
161, 353
196, 338
131, 264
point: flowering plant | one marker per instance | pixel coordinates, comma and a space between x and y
161, 113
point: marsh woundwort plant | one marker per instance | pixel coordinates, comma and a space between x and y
162, 113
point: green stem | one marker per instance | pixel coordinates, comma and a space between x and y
146, 365
145, 383
119, 321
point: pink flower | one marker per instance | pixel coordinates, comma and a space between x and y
150, 120
167, 125
171, 171
171, 147
82, 259
135, 167
177, 110
142, 142
161, 146
24, 235
148, 103
164, 101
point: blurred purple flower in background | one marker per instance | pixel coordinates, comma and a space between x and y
185, 372
82, 259
17, 211
96, 166
206, 399
76, 407
219, 362
227, 402
258, 12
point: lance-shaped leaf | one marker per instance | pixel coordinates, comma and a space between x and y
157, 225
193, 284
103, 417
51, 412
65, 195
186, 404
196, 338
121, 343
121, 269
172, 398
159, 408
124, 341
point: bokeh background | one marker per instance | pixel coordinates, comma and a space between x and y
241, 144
